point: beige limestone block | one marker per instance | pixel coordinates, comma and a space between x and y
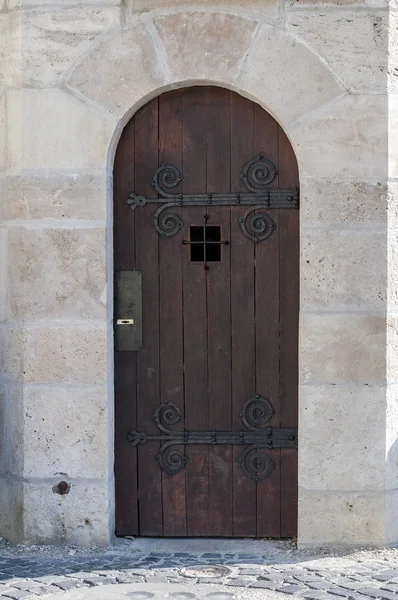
392, 197
121, 70
393, 49
205, 46
65, 430
346, 140
393, 136
392, 517
57, 273
343, 3
79, 517
266, 8
342, 348
4, 312
286, 77
3, 148
341, 518
53, 38
3, 430
12, 341
52, 129
392, 289
392, 438
354, 44
343, 270
392, 348
329, 414
10, 49
70, 354
335, 203
11, 513
54, 196
16, 444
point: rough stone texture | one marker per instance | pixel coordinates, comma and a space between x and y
323, 69
57, 273
74, 195
76, 517
65, 432
51, 129
344, 270
53, 40
354, 45
70, 354
274, 52
127, 61
351, 133
342, 348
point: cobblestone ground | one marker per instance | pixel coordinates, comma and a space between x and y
274, 566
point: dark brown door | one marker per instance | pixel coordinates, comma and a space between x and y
206, 409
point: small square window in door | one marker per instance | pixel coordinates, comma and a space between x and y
205, 243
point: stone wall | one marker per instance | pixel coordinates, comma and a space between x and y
73, 74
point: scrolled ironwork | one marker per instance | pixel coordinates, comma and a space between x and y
257, 412
258, 173
171, 460
258, 226
166, 178
255, 464
166, 415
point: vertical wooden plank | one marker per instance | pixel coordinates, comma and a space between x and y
289, 315
171, 311
125, 362
195, 318
147, 242
267, 330
219, 314
242, 315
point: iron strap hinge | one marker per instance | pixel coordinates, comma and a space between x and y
255, 413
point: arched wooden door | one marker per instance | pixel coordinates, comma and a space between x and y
206, 319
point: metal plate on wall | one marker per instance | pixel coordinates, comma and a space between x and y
128, 311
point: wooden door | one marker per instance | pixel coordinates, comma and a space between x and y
206, 199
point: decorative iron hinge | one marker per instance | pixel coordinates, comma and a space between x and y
257, 175
255, 413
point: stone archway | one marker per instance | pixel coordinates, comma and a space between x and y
59, 345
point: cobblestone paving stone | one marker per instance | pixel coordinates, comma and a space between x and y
27, 573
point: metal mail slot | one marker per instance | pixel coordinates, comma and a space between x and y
128, 311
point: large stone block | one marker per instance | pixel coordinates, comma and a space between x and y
392, 197
69, 354
391, 517
205, 46
328, 416
57, 273
53, 39
329, 518
342, 348
49, 195
306, 84
392, 289
11, 513
52, 129
267, 8
346, 140
393, 49
343, 270
65, 431
3, 430
3, 149
11, 352
3, 274
353, 43
79, 517
392, 348
343, 204
10, 49
393, 136
392, 438
122, 70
